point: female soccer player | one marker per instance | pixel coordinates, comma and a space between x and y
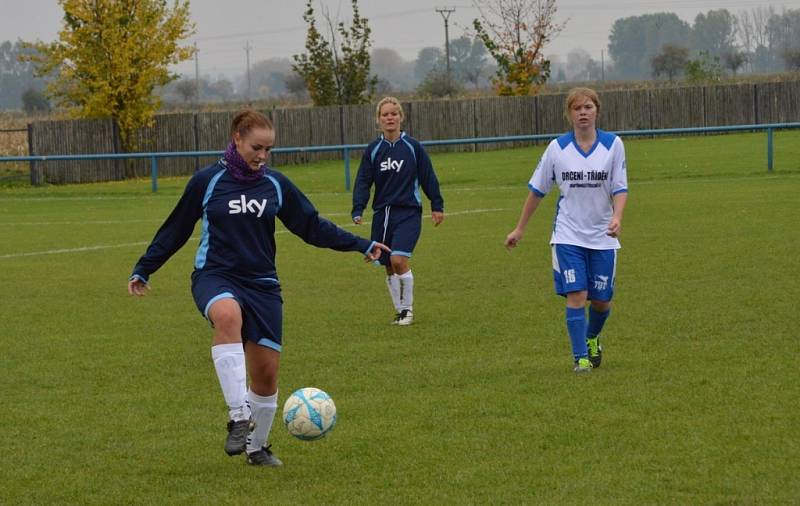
234, 282
588, 166
397, 165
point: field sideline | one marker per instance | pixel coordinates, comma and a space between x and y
109, 399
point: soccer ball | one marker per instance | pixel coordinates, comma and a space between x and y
309, 414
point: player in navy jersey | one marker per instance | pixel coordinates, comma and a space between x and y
398, 166
235, 284
588, 166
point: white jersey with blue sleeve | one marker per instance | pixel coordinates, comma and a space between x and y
587, 182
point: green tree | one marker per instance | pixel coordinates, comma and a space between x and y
468, 59
713, 32
428, 59
337, 73
16, 76
110, 57
515, 35
34, 101
670, 62
437, 84
791, 58
187, 89
705, 69
635, 40
734, 60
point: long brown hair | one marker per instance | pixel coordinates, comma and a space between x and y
247, 120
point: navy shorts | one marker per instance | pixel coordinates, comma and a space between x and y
398, 228
259, 299
576, 268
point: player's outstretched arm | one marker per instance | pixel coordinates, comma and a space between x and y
531, 203
375, 252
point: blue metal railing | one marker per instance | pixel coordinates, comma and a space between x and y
347, 148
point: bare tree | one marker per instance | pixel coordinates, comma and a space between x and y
753, 27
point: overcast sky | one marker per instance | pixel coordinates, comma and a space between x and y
276, 28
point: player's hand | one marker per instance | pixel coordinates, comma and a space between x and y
357, 220
437, 217
375, 252
137, 287
614, 227
513, 238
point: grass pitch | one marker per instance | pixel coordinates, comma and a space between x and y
109, 399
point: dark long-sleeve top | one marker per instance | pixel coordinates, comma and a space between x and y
397, 169
238, 224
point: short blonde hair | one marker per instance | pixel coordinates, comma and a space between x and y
576, 93
388, 100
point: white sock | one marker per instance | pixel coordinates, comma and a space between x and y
232, 374
406, 290
264, 409
393, 282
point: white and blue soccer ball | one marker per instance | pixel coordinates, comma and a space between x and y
309, 414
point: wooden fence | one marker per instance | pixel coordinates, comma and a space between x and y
445, 119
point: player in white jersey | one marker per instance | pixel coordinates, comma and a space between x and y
588, 167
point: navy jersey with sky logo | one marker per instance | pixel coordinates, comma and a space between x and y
238, 224
397, 170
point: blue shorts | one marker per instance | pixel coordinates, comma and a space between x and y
398, 228
259, 299
576, 269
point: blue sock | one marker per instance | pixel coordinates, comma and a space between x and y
596, 322
576, 326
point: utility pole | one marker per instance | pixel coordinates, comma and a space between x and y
445, 12
602, 66
196, 76
247, 52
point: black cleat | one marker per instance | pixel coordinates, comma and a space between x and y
406, 317
595, 351
263, 457
238, 431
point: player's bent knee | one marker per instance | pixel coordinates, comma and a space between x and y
399, 264
601, 305
226, 315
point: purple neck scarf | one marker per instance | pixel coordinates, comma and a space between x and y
238, 168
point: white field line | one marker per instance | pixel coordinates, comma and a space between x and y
96, 197
145, 243
122, 222
97, 222
73, 250
521, 184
